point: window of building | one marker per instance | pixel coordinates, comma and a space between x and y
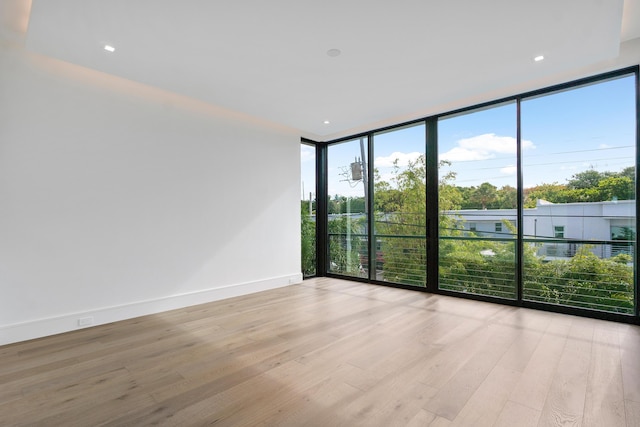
558, 231
623, 239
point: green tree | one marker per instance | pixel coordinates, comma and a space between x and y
480, 266
487, 267
304, 206
334, 205
585, 179
308, 242
629, 172
343, 204
616, 188
346, 243
403, 224
584, 280
554, 193
386, 198
507, 198
484, 195
403, 245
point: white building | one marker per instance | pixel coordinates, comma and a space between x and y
561, 228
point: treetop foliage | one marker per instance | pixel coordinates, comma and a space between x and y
395, 195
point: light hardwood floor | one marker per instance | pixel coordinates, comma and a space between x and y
330, 353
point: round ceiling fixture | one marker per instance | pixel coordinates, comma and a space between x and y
333, 52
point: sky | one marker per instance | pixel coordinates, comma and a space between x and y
563, 133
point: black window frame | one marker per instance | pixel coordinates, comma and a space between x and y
432, 194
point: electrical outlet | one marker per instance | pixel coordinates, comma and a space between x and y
85, 321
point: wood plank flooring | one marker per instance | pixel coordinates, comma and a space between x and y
330, 353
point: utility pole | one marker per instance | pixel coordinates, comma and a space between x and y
365, 179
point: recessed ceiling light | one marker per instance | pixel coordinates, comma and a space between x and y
326, 122
333, 52
538, 58
109, 48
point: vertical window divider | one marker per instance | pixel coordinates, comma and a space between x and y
322, 219
519, 207
635, 251
371, 245
432, 208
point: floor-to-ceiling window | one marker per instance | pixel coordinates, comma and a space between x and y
477, 154
347, 207
399, 205
308, 208
529, 200
579, 196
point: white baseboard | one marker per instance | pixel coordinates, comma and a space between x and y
69, 322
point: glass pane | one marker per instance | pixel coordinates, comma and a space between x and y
308, 209
399, 206
347, 225
477, 202
579, 187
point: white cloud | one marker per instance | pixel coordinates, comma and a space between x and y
509, 170
604, 146
483, 147
464, 154
402, 158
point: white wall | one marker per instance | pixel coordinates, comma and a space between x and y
118, 199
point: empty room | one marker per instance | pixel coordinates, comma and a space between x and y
305, 213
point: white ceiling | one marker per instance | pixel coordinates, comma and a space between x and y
400, 60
